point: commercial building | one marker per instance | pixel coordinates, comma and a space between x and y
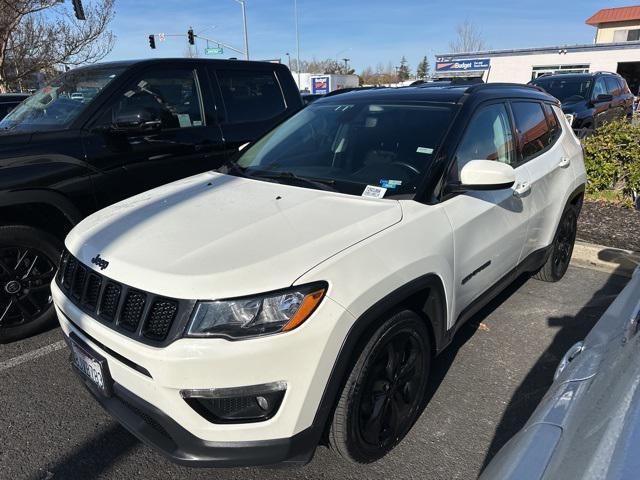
616, 48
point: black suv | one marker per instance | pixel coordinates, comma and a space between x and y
99, 134
590, 98
9, 101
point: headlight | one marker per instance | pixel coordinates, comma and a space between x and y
274, 312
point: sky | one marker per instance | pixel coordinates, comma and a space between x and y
366, 32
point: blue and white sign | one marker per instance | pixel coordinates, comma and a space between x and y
474, 64
320, 85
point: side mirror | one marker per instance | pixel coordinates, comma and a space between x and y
486, 175
603, 97
137, 120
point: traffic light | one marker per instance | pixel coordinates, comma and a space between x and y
152, 41
78, 10
190, 36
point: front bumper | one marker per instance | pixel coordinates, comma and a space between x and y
147, 382
158, 430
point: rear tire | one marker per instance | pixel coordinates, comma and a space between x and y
562, 247
384, 394
28, 261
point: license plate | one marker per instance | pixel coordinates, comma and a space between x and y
90, 365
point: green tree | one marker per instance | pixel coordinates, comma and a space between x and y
404, 72
422, 72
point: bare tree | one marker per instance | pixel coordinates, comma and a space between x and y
468, 39
318, 66
39, 35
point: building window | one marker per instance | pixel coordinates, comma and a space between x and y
626, 35
553, 69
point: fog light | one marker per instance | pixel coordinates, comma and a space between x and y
254, 403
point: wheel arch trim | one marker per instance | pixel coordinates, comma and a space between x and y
430, 289
41, 196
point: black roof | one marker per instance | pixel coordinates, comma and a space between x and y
575, 75
188, 61
446, 93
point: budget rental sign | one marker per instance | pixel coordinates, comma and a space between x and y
463, 65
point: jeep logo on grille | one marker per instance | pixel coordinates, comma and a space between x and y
101, 262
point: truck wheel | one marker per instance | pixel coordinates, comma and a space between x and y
562, 247
28, 262
383, 396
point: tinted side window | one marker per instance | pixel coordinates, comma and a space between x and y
533, 131
613, 87
250, 96
487, 137
170, 96
552, 121
599, 88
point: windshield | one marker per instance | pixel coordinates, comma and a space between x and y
566, 89
346, 147
60, 102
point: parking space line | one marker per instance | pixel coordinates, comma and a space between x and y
32, 355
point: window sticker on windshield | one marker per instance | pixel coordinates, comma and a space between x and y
390, 183
197, 123
129, 93
374, 192
426, 150
184, 120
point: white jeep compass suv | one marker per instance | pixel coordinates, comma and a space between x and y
298, 295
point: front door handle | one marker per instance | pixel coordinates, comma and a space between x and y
522, 189
564, 162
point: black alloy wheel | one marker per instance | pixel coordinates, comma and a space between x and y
562, 248
385, 392
28, 263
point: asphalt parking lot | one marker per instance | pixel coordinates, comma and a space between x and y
484, 388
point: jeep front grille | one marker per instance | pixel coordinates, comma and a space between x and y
148, 317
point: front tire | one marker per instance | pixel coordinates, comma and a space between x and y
28, 261
383, 396
562, 247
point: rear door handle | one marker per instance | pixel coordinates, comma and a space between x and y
564, 162
522, 189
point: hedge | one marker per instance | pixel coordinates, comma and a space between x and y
612, 160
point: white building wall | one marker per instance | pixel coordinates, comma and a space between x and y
518, 68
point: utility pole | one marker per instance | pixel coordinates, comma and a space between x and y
243, 4
288, 59
346, 65
295, 12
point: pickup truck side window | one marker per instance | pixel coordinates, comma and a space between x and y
172, 96
250, 96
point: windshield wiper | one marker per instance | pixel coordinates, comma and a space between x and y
232, 166
321, 183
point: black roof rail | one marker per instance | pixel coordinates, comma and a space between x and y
482, 86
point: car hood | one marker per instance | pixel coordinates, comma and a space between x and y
218, 236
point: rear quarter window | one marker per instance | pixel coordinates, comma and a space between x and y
250, 96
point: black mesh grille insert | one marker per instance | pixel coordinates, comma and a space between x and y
132, 310
68, 272
93, 291
78, 282
110, 299
160, 318
147, 419
145, 316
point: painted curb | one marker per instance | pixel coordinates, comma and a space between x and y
605, 259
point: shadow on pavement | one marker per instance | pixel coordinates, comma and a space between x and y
444, 361
92, 458
529, 393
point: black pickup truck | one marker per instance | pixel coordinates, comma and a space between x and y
99, 134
